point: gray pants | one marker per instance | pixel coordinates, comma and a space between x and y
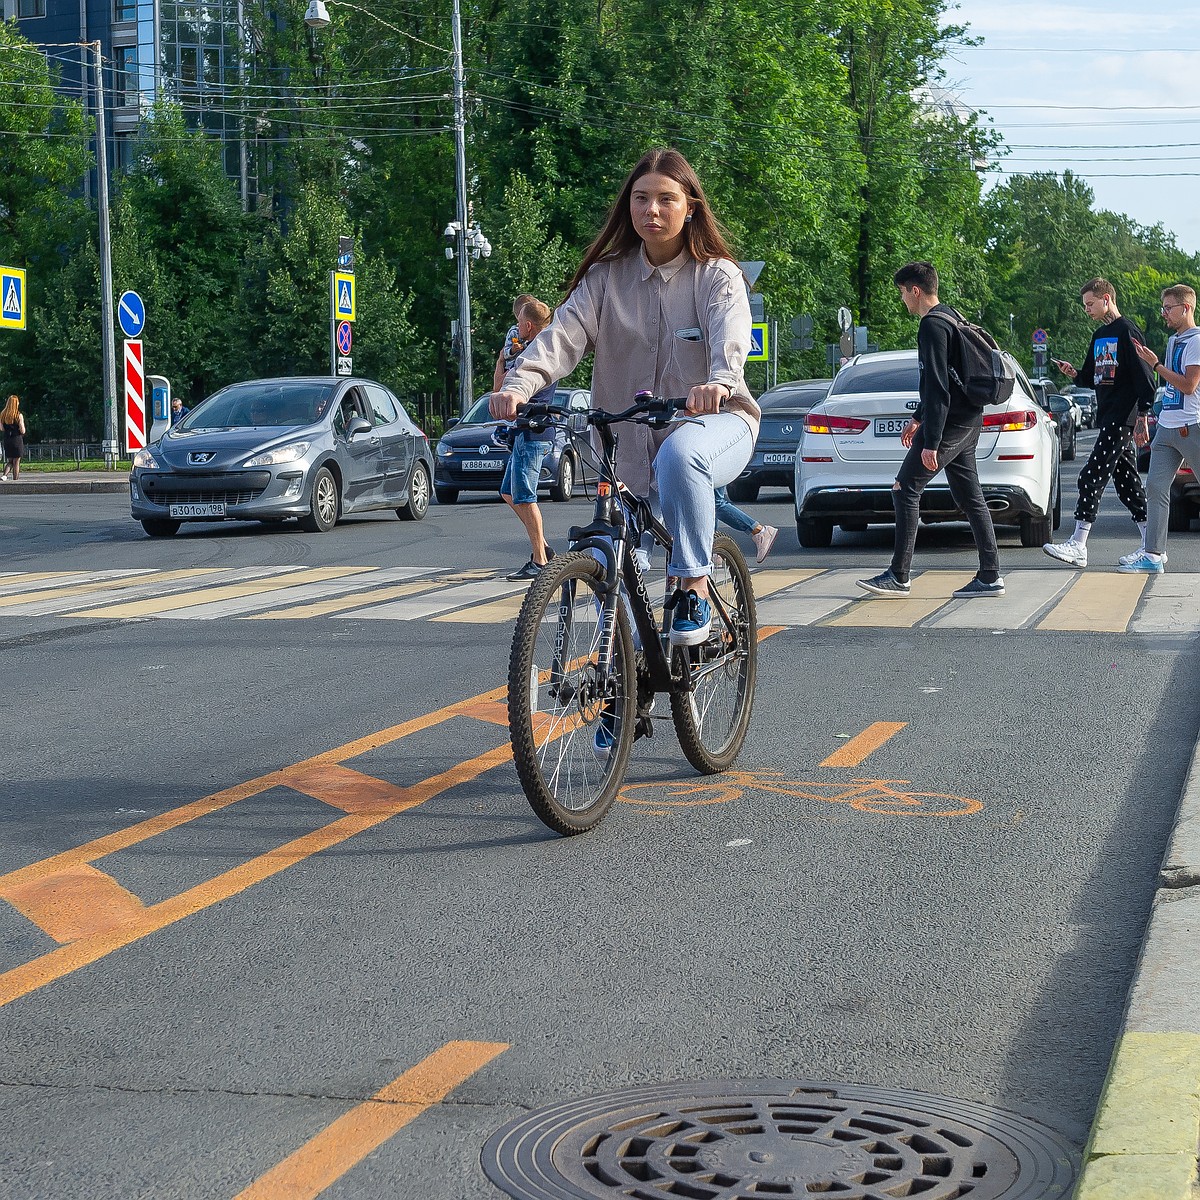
1167, 452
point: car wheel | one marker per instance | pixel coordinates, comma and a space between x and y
815, 533
446, 495
418, 495
161, 526
1036, 531
1057, 502
743, 491
1179, 515
325, 504
563, 488
1069, 453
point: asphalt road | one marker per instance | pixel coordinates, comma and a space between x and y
188, 1002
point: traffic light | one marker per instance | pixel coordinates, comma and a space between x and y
802, 328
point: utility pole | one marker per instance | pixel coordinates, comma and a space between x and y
108, 355
465, 384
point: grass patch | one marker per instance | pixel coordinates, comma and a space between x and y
88, 464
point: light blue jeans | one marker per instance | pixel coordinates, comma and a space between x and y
703, 454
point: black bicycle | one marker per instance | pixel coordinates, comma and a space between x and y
589, 653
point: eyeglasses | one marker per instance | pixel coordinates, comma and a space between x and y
1167, 307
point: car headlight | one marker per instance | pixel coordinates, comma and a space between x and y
282, 454
143, 458
443, 451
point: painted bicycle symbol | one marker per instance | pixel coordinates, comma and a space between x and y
865, 795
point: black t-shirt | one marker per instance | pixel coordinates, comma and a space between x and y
1123, 383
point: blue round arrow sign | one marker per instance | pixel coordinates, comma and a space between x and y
131, 314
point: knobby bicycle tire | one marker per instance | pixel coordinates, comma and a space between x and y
570, 724
711, 721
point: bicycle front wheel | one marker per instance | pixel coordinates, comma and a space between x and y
711, 720
571, 717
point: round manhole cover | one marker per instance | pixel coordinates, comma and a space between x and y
748, 1139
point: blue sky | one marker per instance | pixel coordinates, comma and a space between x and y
1105, 89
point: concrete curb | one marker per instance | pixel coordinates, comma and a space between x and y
1145, 1142
65, 483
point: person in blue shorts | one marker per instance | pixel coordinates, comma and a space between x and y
519, 487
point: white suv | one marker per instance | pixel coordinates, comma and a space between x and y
850, 452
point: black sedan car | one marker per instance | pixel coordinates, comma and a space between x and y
1061, 412
312, 448
473, 452
774, 459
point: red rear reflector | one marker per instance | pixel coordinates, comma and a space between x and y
822, 423
815, 458
1004, 422
1184, 471
1013, 457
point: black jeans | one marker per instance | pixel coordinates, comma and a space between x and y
956, 455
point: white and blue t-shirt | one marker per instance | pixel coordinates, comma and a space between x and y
1181, 408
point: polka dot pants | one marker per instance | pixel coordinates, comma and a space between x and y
1113, 457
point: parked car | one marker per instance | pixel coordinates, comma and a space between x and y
1062, 412
850, 452
473, 452
773, 463
1086, 399
313, 448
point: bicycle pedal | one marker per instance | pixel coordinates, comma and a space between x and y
643, 728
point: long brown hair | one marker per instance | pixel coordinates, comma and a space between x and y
703, 236
12, 410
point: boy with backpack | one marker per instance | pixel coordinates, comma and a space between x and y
943, 433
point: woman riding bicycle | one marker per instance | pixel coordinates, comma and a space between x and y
661, 302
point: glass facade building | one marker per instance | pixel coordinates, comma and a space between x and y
190, 52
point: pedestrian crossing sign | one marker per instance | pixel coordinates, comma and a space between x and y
760, 342
343, 295
12, 298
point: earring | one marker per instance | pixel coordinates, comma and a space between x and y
688, 219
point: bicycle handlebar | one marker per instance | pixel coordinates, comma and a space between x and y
659, 409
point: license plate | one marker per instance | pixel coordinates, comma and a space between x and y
215, 509
775, 460
482, 464
890, 426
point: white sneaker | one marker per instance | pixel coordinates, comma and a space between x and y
764, 539
1128, 559
1071, 552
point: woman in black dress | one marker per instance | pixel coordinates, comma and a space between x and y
13, 425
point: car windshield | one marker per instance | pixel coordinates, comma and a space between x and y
888, 376
793, 399
259, 404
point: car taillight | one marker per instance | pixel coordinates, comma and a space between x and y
1006, 422
823, 423
1184, 470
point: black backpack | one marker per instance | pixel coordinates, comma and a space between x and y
977, 368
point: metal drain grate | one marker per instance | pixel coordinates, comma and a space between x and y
746, 1140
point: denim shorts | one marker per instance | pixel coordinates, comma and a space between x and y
524, 469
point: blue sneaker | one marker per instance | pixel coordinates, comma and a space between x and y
692, 621
605, 736
1143, 564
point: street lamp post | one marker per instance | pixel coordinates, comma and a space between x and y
108, 351
461, 233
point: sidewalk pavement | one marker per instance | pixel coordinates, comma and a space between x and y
1145, 1142
52, 483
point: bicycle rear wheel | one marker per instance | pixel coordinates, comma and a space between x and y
571, 722
712, 719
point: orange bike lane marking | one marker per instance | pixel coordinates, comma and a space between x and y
90, 911
93, 915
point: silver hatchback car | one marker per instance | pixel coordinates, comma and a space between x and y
268, 449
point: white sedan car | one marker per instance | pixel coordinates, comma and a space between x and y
850, 452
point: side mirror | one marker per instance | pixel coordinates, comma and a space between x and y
357, 425
451, 421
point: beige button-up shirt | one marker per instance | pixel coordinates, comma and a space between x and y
658, 329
